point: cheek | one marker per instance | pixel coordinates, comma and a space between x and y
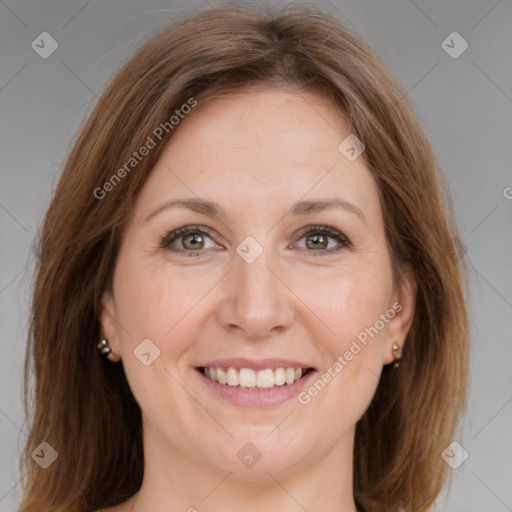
348, 303
157, 301
163, 306
350, 308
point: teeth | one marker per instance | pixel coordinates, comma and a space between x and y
247, 378
265, 379
232, 377
279, 376
250, 379
221, 376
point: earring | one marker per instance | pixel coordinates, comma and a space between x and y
397, 352
104, 347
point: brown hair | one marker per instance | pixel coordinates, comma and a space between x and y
82, 404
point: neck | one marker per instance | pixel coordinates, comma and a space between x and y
172, 478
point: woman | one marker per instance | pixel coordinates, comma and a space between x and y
248, 293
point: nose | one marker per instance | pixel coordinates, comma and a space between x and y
257, 302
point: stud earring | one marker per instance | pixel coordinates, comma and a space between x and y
104, 347
397, 352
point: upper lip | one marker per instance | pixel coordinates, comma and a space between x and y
261, 364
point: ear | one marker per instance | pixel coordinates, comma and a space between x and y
403, 303
108, 324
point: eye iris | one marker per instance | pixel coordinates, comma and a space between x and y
194, 244
316, 237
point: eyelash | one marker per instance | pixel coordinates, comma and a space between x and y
309, 230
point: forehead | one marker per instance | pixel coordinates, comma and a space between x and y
283, 124
256, 149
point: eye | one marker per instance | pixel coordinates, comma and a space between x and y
190, 240
317, 239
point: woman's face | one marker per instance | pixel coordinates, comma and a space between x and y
254, 288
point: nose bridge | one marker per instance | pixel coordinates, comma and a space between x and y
256, 278
257, 301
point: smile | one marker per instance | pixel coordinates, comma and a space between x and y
254, 380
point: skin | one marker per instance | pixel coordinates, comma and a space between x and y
256, 155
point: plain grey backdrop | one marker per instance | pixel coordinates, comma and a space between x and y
463, 98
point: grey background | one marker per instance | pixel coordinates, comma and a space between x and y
465, 105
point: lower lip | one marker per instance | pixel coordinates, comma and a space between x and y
256, 398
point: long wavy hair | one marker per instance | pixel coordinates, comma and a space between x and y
81, 403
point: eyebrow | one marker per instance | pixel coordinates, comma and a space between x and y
211, 209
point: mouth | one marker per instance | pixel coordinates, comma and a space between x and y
249, 379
